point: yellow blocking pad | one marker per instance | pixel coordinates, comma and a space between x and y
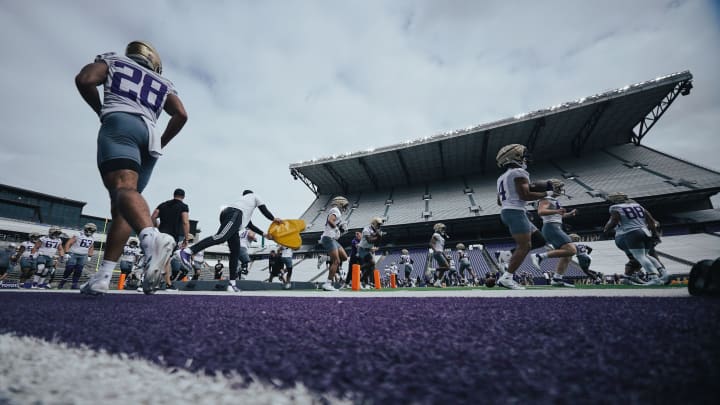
287, 233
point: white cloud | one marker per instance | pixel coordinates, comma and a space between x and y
270, 83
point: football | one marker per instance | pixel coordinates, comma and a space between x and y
490, 282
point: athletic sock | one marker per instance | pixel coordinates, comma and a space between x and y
106, 268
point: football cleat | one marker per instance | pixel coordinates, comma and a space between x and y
328, 287
558, 282
160, 253
509, 283
536, 260
96, 285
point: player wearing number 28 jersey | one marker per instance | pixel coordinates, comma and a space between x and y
134, 95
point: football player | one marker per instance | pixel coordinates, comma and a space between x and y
464, 260
135, 94
27, 261
334, 228
584, 258
44, 253
634, 227
7, 260
286, 256
552, 214
407, 262
79, 248
437, 249
371, 236
130, 257
513, 193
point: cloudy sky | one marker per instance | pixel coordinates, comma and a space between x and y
268, 83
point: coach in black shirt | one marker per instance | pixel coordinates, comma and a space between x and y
174, 216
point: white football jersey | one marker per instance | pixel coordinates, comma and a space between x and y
133, 88
329, 231
438, 242
48, 246
405, 259
509, 197
632, 217
287, 252
554, 205
28, 248
82, 244
367, 232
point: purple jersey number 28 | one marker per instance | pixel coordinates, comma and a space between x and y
147, 83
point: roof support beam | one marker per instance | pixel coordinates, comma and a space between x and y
442, 158
484, 151
643, 127
581, 138
369, 172
403, 165
338, 179
309, 184
532, 139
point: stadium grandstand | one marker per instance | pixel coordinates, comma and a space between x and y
594, 144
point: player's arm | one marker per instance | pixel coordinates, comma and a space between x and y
70, 243
526, 193
650, 221
612, 222
332, 219
35, 248
91, 76
178, 117
253, 230
266, 212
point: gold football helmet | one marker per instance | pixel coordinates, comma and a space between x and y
133, 241
405, 252
574, 237
340, 202
90, 228
617, 197
144, 54
54, 231
376, 222
439, 227
460, 246
512, 154
558, 187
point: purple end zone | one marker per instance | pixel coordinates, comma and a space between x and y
420, 350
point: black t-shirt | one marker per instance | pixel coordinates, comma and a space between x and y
170, 214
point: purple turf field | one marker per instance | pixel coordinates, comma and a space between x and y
416, 350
